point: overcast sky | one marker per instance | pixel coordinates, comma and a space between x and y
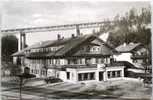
30, 14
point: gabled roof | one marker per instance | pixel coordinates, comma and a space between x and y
127, 47
69, 47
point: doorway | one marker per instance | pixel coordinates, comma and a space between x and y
101, 76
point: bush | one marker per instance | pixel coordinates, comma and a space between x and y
14, 69
52, 80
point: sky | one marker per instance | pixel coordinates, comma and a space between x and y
19, 14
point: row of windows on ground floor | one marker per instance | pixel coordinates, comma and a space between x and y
91, 75
84, 76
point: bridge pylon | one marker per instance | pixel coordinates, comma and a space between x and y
22, 40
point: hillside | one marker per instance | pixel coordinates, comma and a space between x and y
134, 26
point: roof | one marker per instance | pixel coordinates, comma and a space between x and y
104, 52
37, 45
127, 47
69, 46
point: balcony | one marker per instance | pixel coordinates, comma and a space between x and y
76, 66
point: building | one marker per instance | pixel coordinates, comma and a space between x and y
136, 59
134, 53
79, 58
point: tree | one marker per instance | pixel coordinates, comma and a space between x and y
131, 27
9, 46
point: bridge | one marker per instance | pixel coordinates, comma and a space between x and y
24, 31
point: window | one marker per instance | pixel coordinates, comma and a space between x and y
57, 61
97, 60
68, 75
79, 77
108, 74
114, 74
80, 61
74, 61
32, 71
50, 49
43, 72
118, 73
46, 50
92, 76
69, 61
102, 60
88, 60
98, 49
35, 71
86, 76
50, 61
93, 48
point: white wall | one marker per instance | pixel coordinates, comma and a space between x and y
62, 75
123, 57
14, 60
51, 72
73, 75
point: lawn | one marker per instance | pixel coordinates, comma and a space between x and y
121, 89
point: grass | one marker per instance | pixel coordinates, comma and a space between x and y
123, 89
113, 88
93, 92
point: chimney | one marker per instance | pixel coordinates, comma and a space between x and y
73, 36
58, 36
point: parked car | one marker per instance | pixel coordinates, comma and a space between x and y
52, 80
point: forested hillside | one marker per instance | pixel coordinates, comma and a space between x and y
133, 26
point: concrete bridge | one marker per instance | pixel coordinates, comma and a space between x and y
24, 31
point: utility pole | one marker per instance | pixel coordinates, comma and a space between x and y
21, 80
22, 76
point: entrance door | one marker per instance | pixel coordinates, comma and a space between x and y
101, 76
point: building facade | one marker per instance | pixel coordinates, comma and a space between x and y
79, 58
134, 53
